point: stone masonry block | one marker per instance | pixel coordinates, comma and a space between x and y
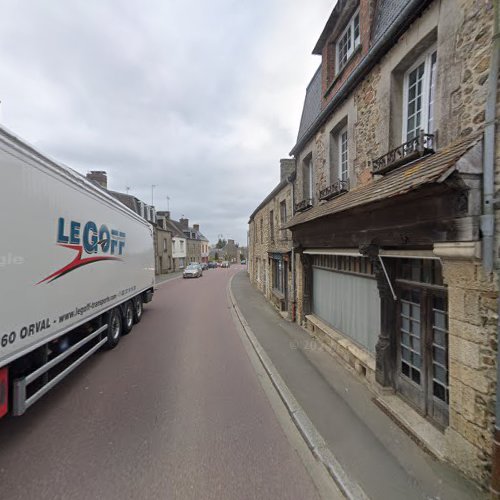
478, 436
456, 305
463, 454
462, 399
459, 273
472, 307
464, 352
471, 333
472, 378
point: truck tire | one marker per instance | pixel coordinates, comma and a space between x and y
128, 317
115, 328
138, 308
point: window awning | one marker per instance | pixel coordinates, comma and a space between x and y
432, 169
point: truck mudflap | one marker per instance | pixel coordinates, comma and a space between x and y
4, 391
147, 296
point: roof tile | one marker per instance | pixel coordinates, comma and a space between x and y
427, 170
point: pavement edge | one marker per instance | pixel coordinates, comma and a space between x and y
349, 488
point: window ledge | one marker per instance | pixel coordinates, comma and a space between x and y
341, 72
278, 294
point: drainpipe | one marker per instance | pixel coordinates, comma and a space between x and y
495, 456
488, 216
294, 293
488, 224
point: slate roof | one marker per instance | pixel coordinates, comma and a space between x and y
391, 17
432, 169
127, 199
177, 225
386, 12
312, 104
176, 232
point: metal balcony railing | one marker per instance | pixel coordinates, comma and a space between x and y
337, 188
421, 145
303, 205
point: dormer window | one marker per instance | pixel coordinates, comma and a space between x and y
348, 42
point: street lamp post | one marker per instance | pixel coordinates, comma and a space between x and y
152, 189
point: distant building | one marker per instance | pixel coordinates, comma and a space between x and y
270, 244
179, 240
230, 251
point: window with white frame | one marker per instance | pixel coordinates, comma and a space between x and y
418, 96
343, 155
348, 42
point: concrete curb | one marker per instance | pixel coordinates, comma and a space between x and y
168, 280
312, 437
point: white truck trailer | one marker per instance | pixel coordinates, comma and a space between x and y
76, 267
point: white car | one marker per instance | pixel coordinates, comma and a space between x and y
192, 271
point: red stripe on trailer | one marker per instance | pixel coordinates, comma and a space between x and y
4, 391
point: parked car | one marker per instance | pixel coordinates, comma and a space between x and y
225, 264
212, 265
243, 261
193, 271
204, 266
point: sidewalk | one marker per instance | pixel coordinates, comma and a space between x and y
370, 447
161, 278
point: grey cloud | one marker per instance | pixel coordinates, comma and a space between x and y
199, 98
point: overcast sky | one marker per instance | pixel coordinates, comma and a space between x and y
200, 98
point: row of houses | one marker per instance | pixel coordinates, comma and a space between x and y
176, 242
380, 237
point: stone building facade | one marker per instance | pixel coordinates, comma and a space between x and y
197, 245
390, 225
270, 246
163, 254
230, 251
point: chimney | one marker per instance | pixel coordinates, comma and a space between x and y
196, 227
164, 213
98, 177
287, 166
184, 223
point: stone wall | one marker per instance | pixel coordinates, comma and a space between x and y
471, 53
366, 131
472, 372
163, 253
261, 242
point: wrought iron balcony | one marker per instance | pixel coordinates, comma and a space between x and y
339, 187
421, 145
303, 205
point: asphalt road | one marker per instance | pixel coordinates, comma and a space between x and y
176, 411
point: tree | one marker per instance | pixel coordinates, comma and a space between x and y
216, 256
221, 243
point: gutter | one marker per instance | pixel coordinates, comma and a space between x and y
488, 224
407, 15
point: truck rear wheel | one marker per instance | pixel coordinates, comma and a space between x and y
138, 308
128, 317
115, 328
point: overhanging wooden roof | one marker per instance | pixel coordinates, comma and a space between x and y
432, 169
